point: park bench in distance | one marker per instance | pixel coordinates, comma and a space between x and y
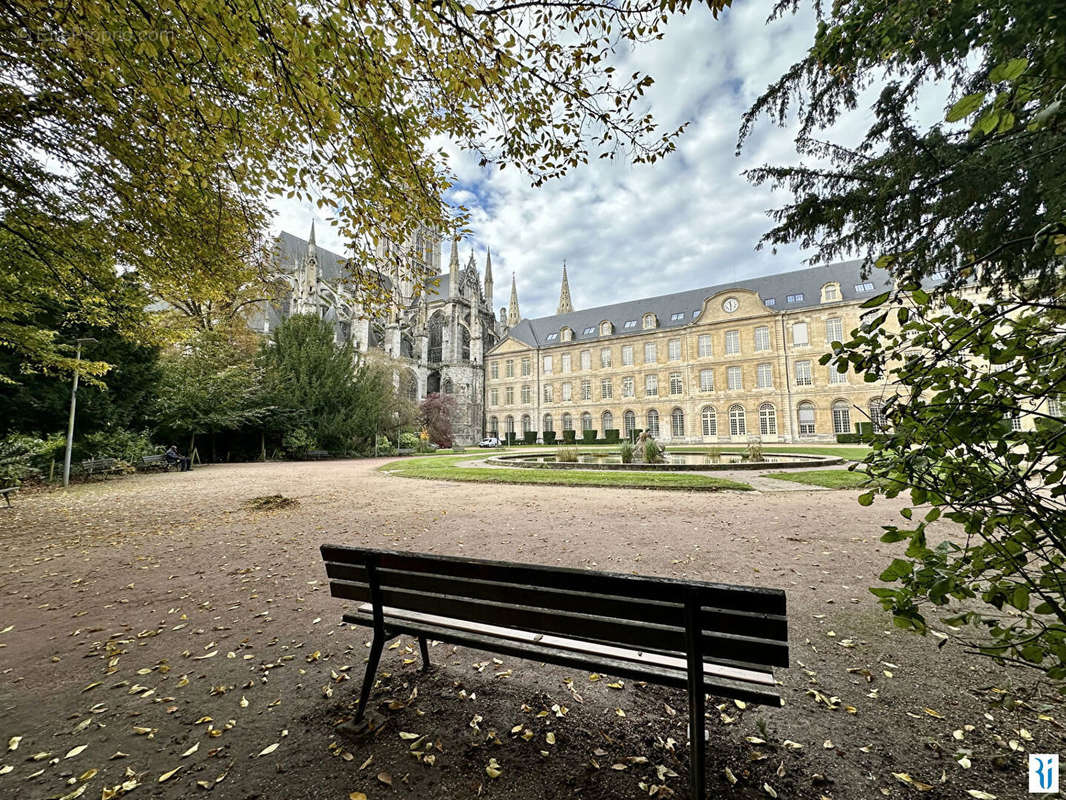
317, 454
154, 462
709, 638
103, 466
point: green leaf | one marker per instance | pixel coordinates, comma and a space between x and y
964, 107
1008, 71
866, 499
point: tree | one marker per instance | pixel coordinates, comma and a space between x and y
436, 413
969, 216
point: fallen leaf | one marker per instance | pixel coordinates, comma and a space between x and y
76, 750
270, 748
493, 770
13, 742
191, 750
550, 737
356, 796
907, 779
979, 795
166, 776
385, 778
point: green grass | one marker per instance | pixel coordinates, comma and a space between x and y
443, 468
828, 478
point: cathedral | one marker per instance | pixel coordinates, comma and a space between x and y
437, 337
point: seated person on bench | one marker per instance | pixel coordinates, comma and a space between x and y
174, 457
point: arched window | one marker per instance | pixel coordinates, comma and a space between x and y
448, 388
653, 423
407, 346
629, 420
709, 420
508, 425
566, 334
568, 422
806, 419
877, 416
767, 420
738, 423
436, 337
841, 417
494, 426
410, 385
464, 338
606, 328
586, 421
527, 423
606, 421
549, 425
677, 423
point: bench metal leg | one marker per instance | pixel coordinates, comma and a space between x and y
697, 704
376, 646
423, 646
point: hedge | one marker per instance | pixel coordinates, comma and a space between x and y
549, 437
568, 437
588, 437
611, 435
530, 437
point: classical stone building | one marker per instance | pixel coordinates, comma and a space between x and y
716, 364
437, 339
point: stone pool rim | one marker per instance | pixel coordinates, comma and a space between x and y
791, 461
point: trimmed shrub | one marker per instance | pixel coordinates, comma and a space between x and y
408, 441
611, 435
569, 437
509, 438
849, 438
549, 437
530, 437
588, 437
864, 429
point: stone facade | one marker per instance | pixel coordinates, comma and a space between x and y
713, 365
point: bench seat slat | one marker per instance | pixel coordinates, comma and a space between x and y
722, 620
753, 692
719, 646
743, 598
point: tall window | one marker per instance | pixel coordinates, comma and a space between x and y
651, 385
732, 342
709, 421
508, 425
1015, 417
800, 337
627, 355
705, 348
806, 419
764, 376
803, 373
627, 387
509, 394
629, 421
586, 389
767, 419
494, 426
762, 338
494, 397
549, 424
586, 359
527, 423
494, 370
673, 349
525, 367
649, 352
508, 369
675, 383
568, 422
841, 417
566, 362
547, 365
734, 379
527, 393
549, 393
606, 421
568, 389
605, 357
586, 421
653, 423
606, 389
835, 376
706, 380
877, 416
834, 330
1054, 407
677, 423
738, 424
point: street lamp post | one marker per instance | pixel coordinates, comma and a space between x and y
73, 404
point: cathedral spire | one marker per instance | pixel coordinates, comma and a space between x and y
565, 306
311, 239
453, 270
513, 315
488, 279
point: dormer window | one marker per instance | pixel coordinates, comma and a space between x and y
606, 328
566, 334
830, 292
630, 324
553, 337
650, 322
589, 331
864, 287
769, 301
795, 298
678, 316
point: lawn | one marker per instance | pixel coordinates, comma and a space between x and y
445, 468
828, 478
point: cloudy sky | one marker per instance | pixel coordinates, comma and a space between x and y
633, 231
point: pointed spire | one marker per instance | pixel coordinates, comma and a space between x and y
453, 270
311, 238
488, 279
565, 306
513, 315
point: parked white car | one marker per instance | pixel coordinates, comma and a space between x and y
489, 441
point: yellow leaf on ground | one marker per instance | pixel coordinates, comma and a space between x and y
166, 776
270, 748
75, 751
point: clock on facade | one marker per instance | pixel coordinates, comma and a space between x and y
731, 305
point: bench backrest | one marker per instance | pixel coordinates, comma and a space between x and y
732, 624
151, 459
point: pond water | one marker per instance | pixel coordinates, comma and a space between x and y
688, 459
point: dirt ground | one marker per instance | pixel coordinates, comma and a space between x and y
152, 623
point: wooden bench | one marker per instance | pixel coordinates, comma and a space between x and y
7, 494
100, 465
155, 462
709, 638
317, 454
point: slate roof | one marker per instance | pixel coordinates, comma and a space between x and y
292, 250
807, 282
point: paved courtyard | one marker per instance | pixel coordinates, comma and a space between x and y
153, 623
